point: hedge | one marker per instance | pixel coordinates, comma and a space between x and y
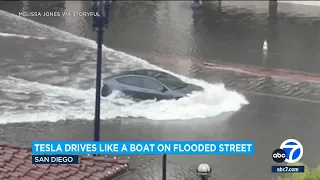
309, 174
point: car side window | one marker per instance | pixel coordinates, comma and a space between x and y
151, 84
131, 81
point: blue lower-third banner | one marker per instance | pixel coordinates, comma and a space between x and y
136, 147
55, 159
287, 169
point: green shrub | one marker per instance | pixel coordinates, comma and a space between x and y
309, 174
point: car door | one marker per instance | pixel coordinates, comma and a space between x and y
153, 89
131, 86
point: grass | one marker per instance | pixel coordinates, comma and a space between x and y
309, 174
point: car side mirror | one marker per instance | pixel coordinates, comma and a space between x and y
163, 89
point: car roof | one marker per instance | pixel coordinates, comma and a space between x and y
142, 72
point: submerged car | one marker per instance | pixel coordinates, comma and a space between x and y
145, 84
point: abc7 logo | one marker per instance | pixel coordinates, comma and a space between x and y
279, 155
290, 151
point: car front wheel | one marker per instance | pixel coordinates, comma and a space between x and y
105, 91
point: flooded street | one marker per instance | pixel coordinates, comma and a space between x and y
47, 79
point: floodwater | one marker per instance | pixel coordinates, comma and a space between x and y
48, 71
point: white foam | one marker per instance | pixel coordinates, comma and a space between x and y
21, 36
60, 103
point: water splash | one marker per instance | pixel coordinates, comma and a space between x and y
47, 102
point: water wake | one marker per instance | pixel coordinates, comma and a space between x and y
45, 102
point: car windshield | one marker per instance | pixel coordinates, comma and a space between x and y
170, 81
